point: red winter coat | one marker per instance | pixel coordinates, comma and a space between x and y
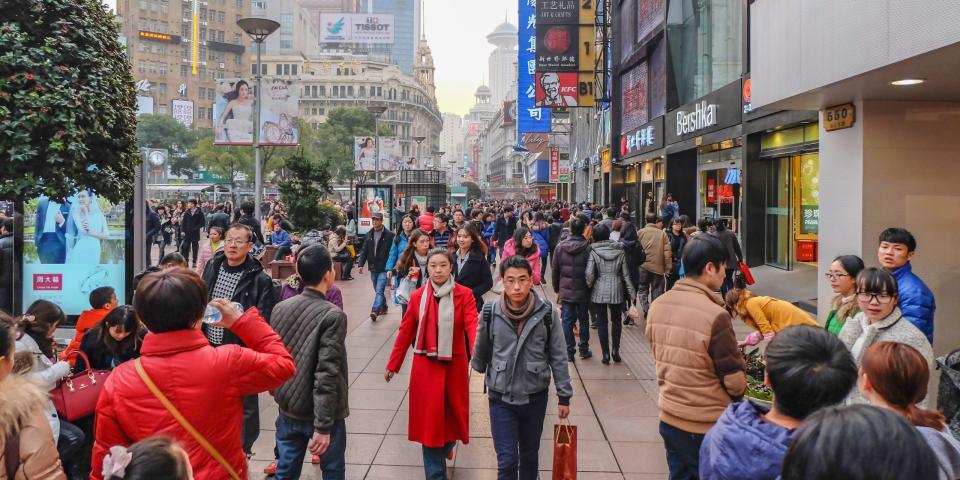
426, 222
205, 383
439, 391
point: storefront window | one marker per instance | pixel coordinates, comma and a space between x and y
705, 45
658, 80
720, 179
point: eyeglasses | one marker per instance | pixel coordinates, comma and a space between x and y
834, 276
233, 242
881, 298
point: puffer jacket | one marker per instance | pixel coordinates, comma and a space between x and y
255, 289
743, 445
206, 384
397, 247
518, 366
425, 222
569, 269
45, 373
314, 330
656, 246
542, 237
21, 410
607, 273
915, 300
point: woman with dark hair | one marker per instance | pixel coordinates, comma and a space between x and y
176, 216
404, 230
180, 370
156, 458
611, 287
35, 345
337, 246
541, 234
843, 280
471, 268
235, 123
895, 376
115, 340
678, 240
210, 248
489, 229
859, 442
523, 244
412, 265
167, 230
442, 327
880, 320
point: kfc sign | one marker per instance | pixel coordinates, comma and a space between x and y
47, 282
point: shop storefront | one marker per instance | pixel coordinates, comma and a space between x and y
784, 187
641, 179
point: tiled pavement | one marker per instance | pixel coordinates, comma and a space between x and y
613, 407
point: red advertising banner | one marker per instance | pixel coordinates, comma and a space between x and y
554, 165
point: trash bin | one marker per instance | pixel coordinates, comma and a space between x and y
948, 398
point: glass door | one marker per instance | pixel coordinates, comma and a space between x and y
778, 199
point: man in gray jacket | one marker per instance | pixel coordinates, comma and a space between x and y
313, 404
519, 343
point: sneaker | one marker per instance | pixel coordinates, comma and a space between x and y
571, 357
373, 315
315, 459
586, 355
271, 469
629, 321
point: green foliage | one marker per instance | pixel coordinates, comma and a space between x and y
309, 180
67, 101
162, 131
223, 160
334, 139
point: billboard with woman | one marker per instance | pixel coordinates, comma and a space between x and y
233, 112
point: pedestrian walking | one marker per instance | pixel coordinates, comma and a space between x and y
153, 223
313, 404
441, 233
734, 254
167, 231
916, 301
610, 288
570, 284
412, 267
678, 240
471, 268
219, 218
441, 326
658, 262
517, 348
489, 231
843, 280
179, 371
635, 255
376, 251
399, 244
211, 247
541, 235
505, 227
699, 367
248, 218
191, 223
236, 276
524, 245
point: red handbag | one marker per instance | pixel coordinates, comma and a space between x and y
747, 276
75, 396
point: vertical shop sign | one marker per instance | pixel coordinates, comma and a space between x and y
530, 117
565, 48
554, 165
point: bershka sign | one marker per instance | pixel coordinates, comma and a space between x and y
717, 110
704, 115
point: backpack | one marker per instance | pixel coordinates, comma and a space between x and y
547, 322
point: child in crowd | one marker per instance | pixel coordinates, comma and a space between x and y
157, 458
102, 301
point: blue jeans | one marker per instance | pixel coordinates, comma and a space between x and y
435, 461
683, 452
516, 433
573, 312
379, 280
292, 438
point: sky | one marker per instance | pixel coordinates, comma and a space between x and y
457, 33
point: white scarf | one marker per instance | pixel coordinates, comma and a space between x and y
870, 331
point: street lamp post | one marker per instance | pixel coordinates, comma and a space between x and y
377, 110
258, 29
419, 140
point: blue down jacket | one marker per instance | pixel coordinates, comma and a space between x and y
743, 446
915, 300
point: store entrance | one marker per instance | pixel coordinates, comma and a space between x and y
720, 180
792, 209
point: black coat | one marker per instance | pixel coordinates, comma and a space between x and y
505, 228
255, 289
569, 267
633, 250
475, 275
153, 225
377, 259
101, 358
556, 231
219, 219
677, 242
192, 223
252, 222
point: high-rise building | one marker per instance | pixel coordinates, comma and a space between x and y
159, 35
502, 61
451, 143
407, 29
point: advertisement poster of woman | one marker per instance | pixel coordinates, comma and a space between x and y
365, 154
278, 114
233, 112
86, 228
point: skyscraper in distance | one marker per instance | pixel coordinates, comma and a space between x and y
407, 28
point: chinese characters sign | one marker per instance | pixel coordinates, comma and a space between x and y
565, 47
530, 117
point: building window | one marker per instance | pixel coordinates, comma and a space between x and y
350, 91
286, 23
705, 46
201, 113
239, 3
286, 43
162, 91
279, 69
293, 69
323, 90
211, 93
237, 39
202, 92
184, 70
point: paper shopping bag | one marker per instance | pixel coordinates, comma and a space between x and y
564, 451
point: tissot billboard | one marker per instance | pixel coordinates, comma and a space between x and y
368, 28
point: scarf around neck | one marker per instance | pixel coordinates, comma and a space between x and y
435, 330
521, 315
868, 336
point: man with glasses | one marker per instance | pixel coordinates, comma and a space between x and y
235, 275
375, 251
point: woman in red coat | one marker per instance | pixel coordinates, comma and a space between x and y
205, 384
441, 323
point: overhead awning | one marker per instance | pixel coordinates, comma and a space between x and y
187, 187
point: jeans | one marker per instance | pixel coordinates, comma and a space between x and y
69, 445
516, 433
379, 280
250, 430
435, 461
292, 438
191, 244
652, 285
683, 452
603, 321
727, 281
573, 312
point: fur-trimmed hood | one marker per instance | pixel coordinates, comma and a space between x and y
19, 399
